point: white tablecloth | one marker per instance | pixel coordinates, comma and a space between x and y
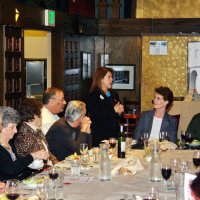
121, 185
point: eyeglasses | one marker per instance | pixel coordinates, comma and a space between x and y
59, 99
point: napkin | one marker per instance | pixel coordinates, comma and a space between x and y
36, 164
128, 166
166, 145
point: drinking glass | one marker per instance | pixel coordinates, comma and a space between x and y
84, 156
166, 173
152, 193
83, 149
196, 159
184, 166
12, 189
53, 173
144, 138
112, 142
75, 168
163, 136
175, 165
189, 138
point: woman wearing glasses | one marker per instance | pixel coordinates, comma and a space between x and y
158, 120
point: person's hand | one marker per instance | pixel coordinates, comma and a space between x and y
119, 108
85, 125
2, 187
41, 155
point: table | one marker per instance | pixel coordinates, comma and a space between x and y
121, 185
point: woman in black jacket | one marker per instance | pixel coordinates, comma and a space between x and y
11, 166
103, 106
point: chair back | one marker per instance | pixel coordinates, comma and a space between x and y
129, 121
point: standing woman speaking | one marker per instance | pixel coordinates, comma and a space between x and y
103, 106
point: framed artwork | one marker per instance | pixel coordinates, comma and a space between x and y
86, 60
123, 77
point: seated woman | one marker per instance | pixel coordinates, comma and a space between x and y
11, 166
65, 136
193, 127
30, 137
158, 120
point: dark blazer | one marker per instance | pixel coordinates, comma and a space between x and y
61, 142
103, 116
17, 169
168, 124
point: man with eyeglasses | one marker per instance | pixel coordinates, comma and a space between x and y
53, 103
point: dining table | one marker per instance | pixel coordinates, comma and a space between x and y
89, 187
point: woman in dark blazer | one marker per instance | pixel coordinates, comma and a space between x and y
103, 106
158, 120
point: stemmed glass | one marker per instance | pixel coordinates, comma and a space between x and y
166, 172
12, 189
189, 139
53, 173
175, 165
196, 159
144, 138
84, 154
112, 142
163, 136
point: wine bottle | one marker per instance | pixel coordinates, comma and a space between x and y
121, 143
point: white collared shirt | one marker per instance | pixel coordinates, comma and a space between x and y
48, 119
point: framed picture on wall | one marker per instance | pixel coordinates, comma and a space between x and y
123, 76
86, 62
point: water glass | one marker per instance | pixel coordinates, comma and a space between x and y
51, 189
175, 165
152, 193
184, 166
75, 167
96, 154
60, 180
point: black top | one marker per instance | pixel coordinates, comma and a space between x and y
103, 116
61, 141
17, 169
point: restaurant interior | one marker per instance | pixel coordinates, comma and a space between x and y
89, 34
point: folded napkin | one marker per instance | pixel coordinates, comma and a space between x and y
167, 145
128, 166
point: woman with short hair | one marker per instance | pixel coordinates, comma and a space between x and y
158, 120
11, 166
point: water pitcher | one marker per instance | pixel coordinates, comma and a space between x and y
155, 167
104, 164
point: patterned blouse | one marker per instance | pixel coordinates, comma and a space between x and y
29, 140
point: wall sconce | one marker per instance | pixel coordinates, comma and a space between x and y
81, 28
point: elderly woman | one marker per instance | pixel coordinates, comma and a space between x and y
66, 135
11, 166
30, 137
103, 107
158, 120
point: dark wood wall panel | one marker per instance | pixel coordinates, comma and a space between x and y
1, 67
57, 52
122, 50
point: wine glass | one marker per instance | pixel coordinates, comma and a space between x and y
189, 138
12, 189
152, 193
53, 173
175, 165
84, 154
166, 172
163, 136
112, 142
144, 138
196, 159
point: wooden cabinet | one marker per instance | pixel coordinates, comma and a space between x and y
71, 68
14, 66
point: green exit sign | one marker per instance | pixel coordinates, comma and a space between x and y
50, 18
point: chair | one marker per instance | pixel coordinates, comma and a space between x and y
177, 118
129, 121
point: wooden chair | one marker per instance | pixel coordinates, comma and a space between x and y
129, 121
177, 118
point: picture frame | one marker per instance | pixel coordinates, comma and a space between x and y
123, 76
86, 61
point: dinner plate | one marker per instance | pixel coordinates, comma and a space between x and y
194, 145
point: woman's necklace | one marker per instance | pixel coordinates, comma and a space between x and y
7, 147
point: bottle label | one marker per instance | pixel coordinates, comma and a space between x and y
123, 146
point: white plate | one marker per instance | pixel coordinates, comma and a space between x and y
194, 145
